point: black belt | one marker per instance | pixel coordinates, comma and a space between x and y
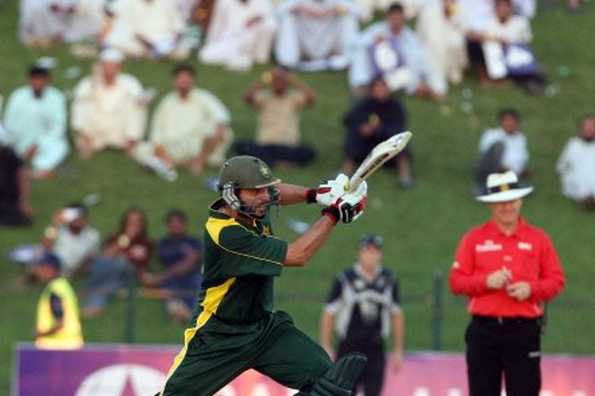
504, 320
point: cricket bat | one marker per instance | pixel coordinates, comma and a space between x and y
383, 152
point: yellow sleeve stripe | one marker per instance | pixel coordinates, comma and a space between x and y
214, 228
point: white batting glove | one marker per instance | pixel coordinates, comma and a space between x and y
349, 207
328, 192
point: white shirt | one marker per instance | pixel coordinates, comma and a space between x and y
74, 249
182, 125
515, 156
516, 30
153, 19
576, 167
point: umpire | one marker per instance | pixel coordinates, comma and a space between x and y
508, 269
363, 305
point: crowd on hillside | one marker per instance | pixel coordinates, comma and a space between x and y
190, 126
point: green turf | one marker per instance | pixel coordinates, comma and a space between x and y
421, 227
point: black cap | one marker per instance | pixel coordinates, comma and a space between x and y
371, 239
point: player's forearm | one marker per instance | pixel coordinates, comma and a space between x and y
302, 249
326, 329
292, 194
399, 331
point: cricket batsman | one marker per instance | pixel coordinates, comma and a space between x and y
234, 327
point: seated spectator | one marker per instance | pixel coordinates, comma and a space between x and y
35, 122
15, 209
190, 127
505, 49
315, 34
375, 119
47, 22
240, 33
441, 28
576, 164
71, 239
180, 257
394, 51
502, 149
278, 136
125, 253
109, 108
146, 28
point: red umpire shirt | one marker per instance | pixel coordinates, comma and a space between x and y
528, 253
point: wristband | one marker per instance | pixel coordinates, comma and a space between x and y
311, 196
332, 212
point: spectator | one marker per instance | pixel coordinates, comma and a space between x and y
125, 252
109, 108
315, 34
146, 28
278, 136
503, 148
71, 239
505, 40
190, 126
441, 28
240, 33
35, 121
180, 257
375, 119
47, 22
392, 50
363, 307
15, 209
576, 164
58, 322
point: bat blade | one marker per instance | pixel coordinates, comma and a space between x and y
380, 154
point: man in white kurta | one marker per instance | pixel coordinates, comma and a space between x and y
504, 148
441, 27
35, 122
240, 34
385, 45
576, 165
109, 108
190, 127
46, 22
316, 34
146, 28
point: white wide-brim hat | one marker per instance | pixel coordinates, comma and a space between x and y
503, 187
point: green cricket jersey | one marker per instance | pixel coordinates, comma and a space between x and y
239, 263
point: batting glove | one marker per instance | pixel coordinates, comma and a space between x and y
349, 207
328, 192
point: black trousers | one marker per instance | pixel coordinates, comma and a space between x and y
372, 378
509, 348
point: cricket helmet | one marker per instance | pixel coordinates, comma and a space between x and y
246, 172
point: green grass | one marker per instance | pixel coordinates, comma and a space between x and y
421, 227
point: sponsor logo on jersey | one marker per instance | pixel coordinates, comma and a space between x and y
488, 246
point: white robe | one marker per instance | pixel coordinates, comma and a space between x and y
444, 39
39, 23
576, 167
230, 42
182, 126
109, 115
316, 39
516, 154
158, 21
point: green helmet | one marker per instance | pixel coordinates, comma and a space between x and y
246, 171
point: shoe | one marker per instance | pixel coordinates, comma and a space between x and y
406, 183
